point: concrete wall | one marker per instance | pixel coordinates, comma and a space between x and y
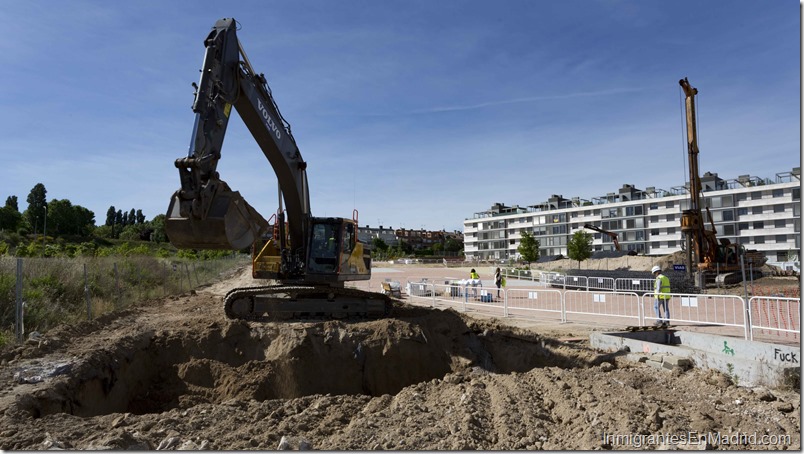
749, 363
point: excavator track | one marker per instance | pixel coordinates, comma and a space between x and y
300, 301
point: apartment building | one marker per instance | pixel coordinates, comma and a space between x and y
416, 238
759, 213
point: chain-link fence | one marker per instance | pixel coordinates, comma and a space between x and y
39, 293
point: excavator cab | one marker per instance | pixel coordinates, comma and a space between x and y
335, 254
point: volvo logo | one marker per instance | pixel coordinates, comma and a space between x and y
268, 120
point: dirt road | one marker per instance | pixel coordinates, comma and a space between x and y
175, 374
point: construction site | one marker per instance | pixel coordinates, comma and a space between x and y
312, 345
175, 374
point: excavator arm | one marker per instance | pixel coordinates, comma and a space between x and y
205, 213
606, 232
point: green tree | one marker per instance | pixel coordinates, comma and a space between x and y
528, 247
453, 245
10, 219
37, 202
378, 244
158, 224
11, 202
132, 217
579, 246
64, 218
140, 217
110, 216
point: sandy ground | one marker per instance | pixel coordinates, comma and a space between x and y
174, 373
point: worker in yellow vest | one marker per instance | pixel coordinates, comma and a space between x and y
474, 281
661, 292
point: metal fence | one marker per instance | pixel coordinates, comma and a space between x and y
778, 316
772, 314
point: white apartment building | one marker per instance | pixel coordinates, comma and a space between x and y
760, 214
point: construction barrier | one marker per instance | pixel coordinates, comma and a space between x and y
723, 310
609, 304
779, 316
545, 302
770, 314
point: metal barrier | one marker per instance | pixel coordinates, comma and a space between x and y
725, 310
601, 283
634, 285
611, 304
777, 315
523, 301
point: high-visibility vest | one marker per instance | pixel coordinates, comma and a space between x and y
474, 276
662, 287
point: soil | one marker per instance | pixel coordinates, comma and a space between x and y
174, 373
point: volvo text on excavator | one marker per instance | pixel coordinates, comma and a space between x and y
310, 257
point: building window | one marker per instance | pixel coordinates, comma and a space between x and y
778, 193
671, 244
758, 225
671, 231
671, 217
796, 193
781, 256
778, 208
742, 211
742, 226
779, 223
759, 240
781, 238
653, 206
756, 195
728, 229
756, 210
728, 215
668, 205
740, 197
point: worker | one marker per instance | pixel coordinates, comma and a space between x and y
474, 280
498, 280
661, 291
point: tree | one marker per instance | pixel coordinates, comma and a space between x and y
11, 202
158, 224
10, 219
378, 244
140, 217
125, 219
118, 217
110, 216
579, 246
37, 203
528, 247
453, 245
132, 217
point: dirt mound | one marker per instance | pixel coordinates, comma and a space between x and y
175, 374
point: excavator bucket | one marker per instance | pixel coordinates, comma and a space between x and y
231, 223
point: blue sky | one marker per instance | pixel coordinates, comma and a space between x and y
416, 113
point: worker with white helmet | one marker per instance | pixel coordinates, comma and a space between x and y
661, 292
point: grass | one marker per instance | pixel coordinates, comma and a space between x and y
69, 290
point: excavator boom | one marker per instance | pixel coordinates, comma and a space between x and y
205, 212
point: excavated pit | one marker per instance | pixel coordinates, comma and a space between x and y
235, 360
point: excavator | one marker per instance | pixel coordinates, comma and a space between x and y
712, 257
311, 258
612, 235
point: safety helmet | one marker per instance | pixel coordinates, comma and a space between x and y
655, 269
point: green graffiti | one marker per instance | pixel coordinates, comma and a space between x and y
727, 350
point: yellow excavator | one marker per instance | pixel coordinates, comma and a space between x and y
311, 258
